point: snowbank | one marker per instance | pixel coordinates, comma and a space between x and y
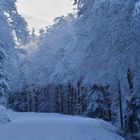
4, 117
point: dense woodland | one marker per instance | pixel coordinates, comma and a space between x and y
87, 63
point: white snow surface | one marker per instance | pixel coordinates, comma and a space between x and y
44, 126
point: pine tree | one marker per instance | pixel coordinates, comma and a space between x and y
6, 47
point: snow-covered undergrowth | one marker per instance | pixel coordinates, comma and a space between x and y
41, 126
4, 116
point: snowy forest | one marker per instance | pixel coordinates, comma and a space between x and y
86, 64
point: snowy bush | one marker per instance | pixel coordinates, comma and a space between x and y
4, 117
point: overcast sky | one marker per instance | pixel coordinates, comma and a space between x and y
40, 13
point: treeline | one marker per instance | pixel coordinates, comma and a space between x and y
61, 98
96, 101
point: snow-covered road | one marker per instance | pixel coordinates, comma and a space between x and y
43, 126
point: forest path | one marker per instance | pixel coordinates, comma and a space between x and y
45, 126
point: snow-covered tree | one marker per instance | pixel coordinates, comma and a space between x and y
7, 53
6, 47
17, 23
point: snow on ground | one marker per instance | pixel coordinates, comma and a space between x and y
43, 126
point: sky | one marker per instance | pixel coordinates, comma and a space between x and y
40, 13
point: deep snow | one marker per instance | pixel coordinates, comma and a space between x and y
43, 126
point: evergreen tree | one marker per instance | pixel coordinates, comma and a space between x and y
6, 47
